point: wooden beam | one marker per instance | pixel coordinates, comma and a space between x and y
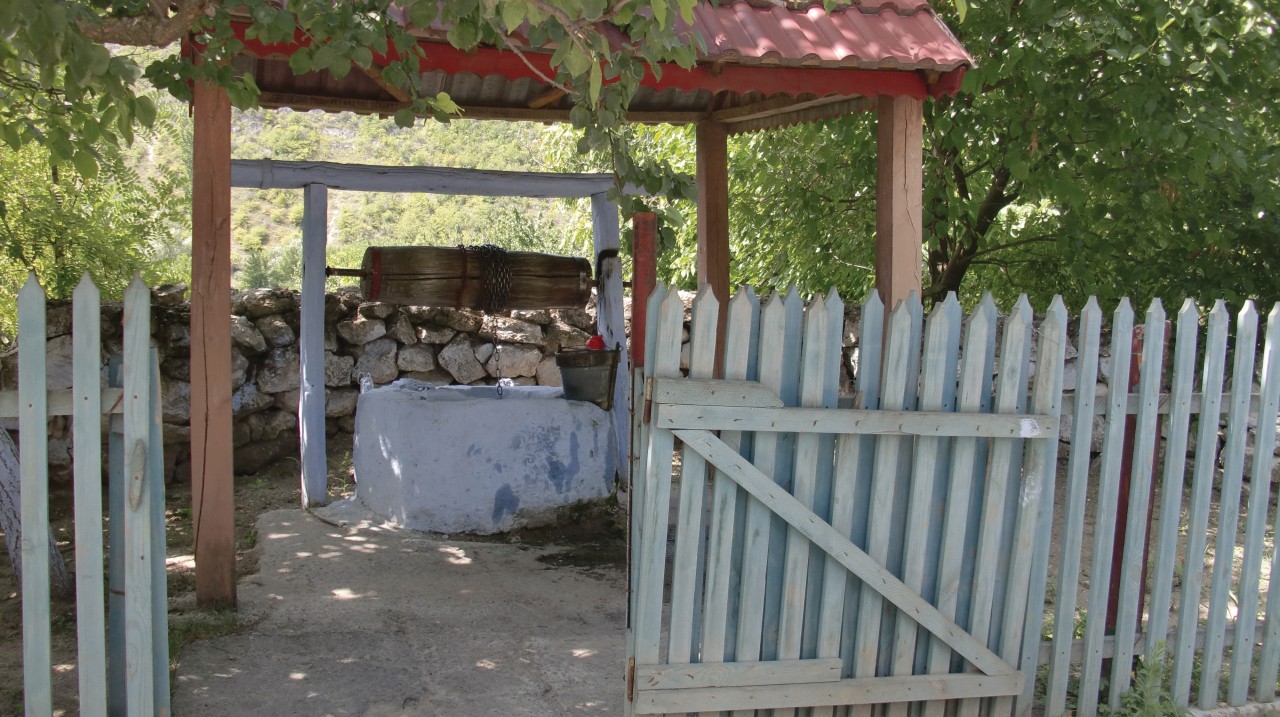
375, 73
644, 272
551, 96
899, 197
213, 508
802, 115
271, 174
712, 139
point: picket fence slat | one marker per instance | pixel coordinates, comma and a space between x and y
885, 484
1259, 499
1088, 340
1211, 384
159, 542
37, 662
1128, 607
86, 434
138, 496
693, 484
1228, 504
1182, 383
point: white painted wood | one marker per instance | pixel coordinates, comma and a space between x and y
1229, 504
863, 692
1011, 388
1105, 515
636, 494
687, 561
159, 542
138, 556
1024, 620
842, 420
651, 566
33, 448
1211, 384
1128, 601
719, 392
814, 364
728, 502
275, 174
311, 397
1073, 512
1255, 531
974, 386
610, 324
117, 691
941, 347
742, 674
62, 403
885, 485
1181, 384
86, 434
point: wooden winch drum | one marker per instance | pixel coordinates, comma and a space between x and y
455, 276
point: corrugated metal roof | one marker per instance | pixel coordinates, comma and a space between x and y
885, 35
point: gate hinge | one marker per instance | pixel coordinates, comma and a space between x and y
631, 679
648, 399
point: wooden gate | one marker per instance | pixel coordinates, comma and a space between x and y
824, 555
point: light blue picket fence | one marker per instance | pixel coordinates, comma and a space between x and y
122, 642
897, 548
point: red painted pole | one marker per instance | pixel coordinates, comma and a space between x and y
644, 277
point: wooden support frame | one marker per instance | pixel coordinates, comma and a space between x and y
899, 197
213, 508
712, 139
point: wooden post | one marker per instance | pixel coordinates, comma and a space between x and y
899, 197
311, 399
213, 508
644, 276
712, 139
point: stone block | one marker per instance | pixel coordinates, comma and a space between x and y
511, 360
279, 372
263, 302
337, 369
459, 359
378, 360
435, 334
361, 330
418, 357
275, 330
247, 336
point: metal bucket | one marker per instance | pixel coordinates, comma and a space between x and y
588, 375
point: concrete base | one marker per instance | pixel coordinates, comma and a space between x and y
463, 459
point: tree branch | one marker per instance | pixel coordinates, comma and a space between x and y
165, 24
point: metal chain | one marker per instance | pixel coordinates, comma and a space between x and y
495, 277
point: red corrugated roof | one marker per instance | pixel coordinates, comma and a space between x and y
890, 34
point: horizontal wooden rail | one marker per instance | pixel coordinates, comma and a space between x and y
1109, 642
60, 402
737, 674
853, 421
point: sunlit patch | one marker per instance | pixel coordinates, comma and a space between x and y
458, 556
348, 594
586, 705
187, 562
297, 675
64, 667
332, 554
348, 661
356, 538
581, 652
486, 664
303, 554
280, 536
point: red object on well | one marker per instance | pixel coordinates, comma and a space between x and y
596, 343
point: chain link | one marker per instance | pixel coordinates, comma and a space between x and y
495, 288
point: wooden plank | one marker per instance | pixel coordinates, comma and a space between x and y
138, 494
941, 350
1010, 389
885, 487
1073, 512
63, 403
1181, 384
785, 380
116, 690
1221, 588
842, 420
276, 174
861, 692
1255, 532
742, 674
1269, 657
805, 115
858, 462
1133, 559
609, 314
899, 196
159, 543
687, 560
33, 436
1024, 601
711, 142
706, 392
213, 505
311, 397
644, 268
815, 364
1105, 520
1211, 384
725, 540
755, 546
651, 567
86, 435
